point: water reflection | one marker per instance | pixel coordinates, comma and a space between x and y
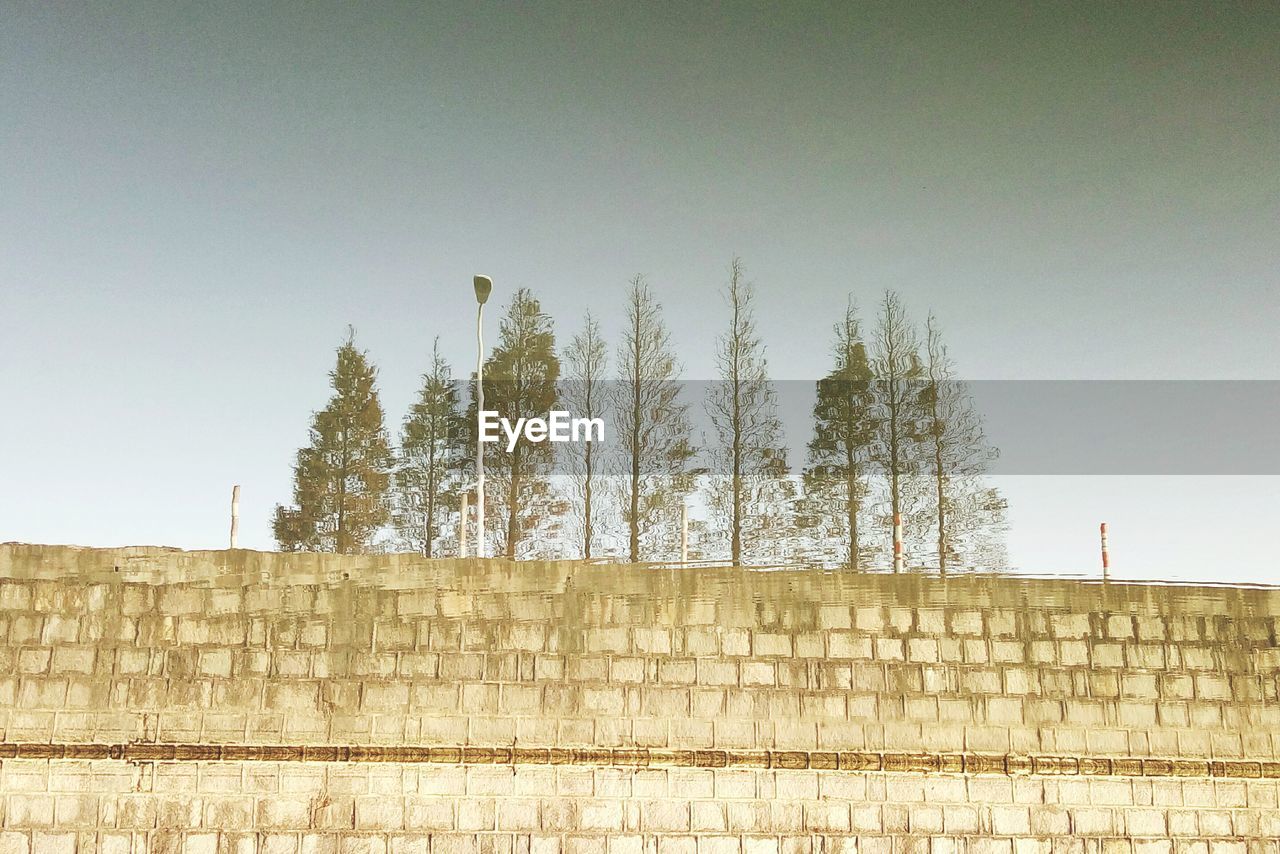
703, 594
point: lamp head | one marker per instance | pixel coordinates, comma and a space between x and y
483, 285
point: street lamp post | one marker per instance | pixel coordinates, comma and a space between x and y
483, 285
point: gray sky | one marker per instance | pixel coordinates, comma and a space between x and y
195, 199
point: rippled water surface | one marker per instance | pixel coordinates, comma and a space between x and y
702, 593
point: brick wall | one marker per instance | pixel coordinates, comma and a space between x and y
156, 700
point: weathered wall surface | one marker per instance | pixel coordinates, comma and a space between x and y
154, 700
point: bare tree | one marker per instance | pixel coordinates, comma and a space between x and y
743, 408
653, 424
898, 373
583, 393
957, 451
840, 449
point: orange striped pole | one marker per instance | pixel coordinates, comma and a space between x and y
897, 542
1106, 559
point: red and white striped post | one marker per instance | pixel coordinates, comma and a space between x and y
897, 542
1106, 559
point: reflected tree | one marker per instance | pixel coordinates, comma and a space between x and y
341, 480
653, 427
433, 462
743, 410
844, 429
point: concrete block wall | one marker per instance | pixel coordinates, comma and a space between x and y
156, 700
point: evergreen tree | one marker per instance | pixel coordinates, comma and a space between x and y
839, 453
653, 427
743, 412
433, 461
341, 480
520, 382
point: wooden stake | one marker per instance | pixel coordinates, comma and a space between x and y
684, 532
235, 516
462, 527
897, 543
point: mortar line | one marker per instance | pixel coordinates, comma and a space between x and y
1011, 765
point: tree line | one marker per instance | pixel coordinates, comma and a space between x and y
895, 436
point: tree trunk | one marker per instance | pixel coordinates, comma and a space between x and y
431, 488
636, 450
430, 508
586, 513
895, 498
426, 526
513, 506
851, 506
735, 545
340, 536
942, 512
635, 506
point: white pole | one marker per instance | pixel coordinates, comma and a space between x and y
462, 526
684, 532
479, 421
235, 516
